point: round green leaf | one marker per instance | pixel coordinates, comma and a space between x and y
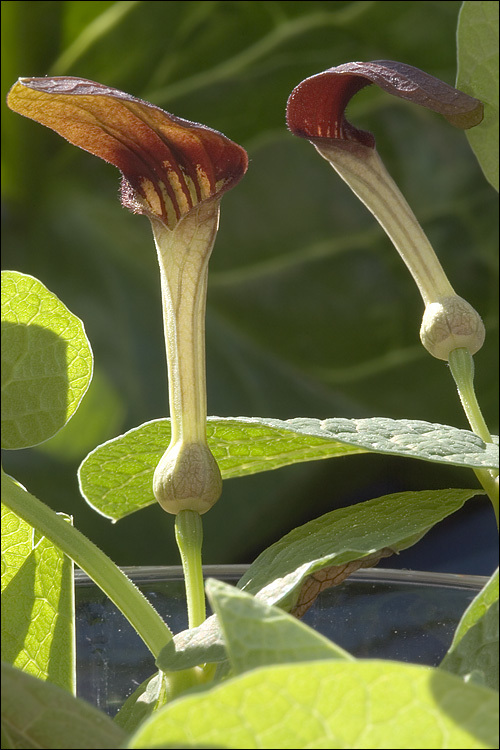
46, 362
330, 704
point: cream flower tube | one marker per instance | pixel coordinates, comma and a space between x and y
187, 477
174, 172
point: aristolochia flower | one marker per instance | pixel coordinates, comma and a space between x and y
316, 110
175, 172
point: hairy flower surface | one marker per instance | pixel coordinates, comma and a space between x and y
169, 165
175, 172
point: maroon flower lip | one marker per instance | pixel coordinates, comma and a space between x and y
316, 107
169, 165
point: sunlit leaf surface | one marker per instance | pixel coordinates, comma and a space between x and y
116, 478
37, 604
343, 538
330, 704
46, 362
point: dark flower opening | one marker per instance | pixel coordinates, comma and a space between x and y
169, 165
317, 105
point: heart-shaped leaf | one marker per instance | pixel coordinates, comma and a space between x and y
334, 703
46, 362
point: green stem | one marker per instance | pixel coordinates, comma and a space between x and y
489, 482
115, 584
189, 537
462, 368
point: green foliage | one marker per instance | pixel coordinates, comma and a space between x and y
371, 530
333, 703
91, 559
478, 608
37, 604
46, 362
149, 696
310, 311
474, 651
477, 39
258, 635
39, 715
392, 521
116, 478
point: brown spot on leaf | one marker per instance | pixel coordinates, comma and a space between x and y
333, 576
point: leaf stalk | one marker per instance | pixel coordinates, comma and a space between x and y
462, 368
189, 537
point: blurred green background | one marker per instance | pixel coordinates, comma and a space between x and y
310, 310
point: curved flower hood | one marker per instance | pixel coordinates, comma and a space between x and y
316, 107
169, 165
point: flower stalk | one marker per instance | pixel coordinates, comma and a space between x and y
363, 170
189, 537
175, 173
449, 322
316, 111
451, 328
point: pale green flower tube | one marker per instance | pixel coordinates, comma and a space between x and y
316, 111
449, 321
